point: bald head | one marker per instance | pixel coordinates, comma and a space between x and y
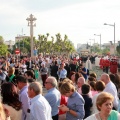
81, 81
105, 78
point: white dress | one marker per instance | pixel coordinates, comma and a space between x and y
14, 114
88, 65
97, 61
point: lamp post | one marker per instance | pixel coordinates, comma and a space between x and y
23, 39
19, 39
100, 39
31, 23
113, 25
94, 43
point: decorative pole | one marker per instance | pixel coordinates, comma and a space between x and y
31, 23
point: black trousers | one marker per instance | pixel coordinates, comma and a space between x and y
106, 69
55, 117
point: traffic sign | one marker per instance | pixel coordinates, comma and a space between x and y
17, 51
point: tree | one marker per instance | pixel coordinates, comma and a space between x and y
3, 49
1, 40
23, 45
106, 50
57, 45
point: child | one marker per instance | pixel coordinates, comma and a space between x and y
88, 101
36, 72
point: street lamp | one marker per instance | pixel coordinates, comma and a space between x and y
23, 39
94, 43
100, 39
31, 20
113, 25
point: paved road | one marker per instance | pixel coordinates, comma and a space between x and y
98, 71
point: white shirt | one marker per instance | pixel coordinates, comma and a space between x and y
94, 107
97, 61
110, 88
40, 108
24, 67
93, 117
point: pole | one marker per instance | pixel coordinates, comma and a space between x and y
100, 41
31, 34
114, 39
19, 44
94, 45
23, 43
114, 34
31, 20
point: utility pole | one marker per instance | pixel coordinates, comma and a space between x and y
31, 23
113, 25
100, 39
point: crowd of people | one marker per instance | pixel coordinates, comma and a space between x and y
73, 91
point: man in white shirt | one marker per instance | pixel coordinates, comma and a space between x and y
39, 108
110, 88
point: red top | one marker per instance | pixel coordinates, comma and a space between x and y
106, 63
101, 63
63, 101
113, 66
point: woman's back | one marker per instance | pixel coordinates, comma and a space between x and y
14, 114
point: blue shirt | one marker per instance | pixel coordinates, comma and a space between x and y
53, 97
40, 108
62, 73
76, 103
23, 97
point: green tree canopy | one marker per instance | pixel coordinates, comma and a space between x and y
1, 40
54, 45
3, 49
46, 44
23, 45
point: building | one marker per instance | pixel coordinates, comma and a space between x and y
82, 49
10, 44
20, 38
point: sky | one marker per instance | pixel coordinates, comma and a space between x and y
78, 19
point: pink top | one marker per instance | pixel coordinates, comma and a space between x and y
93, 92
